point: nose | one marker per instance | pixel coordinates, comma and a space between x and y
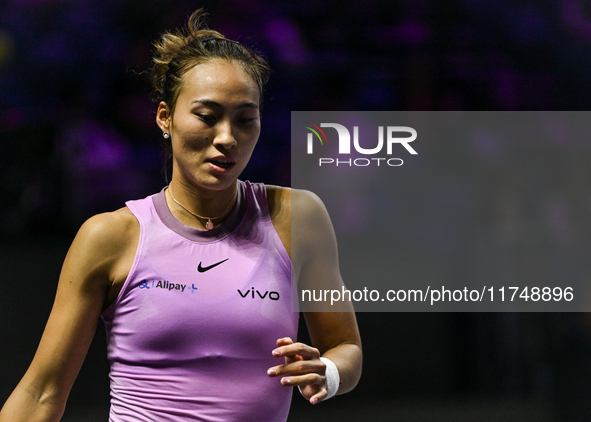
224, 137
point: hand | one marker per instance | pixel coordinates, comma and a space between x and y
302, 368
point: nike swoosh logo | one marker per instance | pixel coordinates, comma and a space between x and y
203, 269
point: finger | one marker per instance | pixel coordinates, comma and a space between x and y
299, 367
313, 393
318, 397
300, 349
284, 341
312, 379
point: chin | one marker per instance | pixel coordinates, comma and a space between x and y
218, 183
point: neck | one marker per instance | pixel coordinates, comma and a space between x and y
198, 207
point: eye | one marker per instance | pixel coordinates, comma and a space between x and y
207, 118
247, 118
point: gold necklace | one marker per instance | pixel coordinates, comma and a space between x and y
209, 224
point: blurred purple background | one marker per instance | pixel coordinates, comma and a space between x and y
77, 132
77, 137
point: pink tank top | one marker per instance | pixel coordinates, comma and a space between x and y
191, 333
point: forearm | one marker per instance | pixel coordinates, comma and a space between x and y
29, 405
348, 359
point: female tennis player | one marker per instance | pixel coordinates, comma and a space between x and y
194, 283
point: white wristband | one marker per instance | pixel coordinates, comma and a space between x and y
333, 380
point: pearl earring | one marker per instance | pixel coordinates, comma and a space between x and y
166, 135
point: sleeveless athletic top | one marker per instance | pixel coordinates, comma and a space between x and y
191, 333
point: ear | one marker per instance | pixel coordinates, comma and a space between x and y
163, 117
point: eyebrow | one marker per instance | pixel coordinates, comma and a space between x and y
212, 103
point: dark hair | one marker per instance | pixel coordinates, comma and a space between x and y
178, 52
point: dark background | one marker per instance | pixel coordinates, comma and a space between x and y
77, 137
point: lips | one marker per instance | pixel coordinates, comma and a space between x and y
223, 163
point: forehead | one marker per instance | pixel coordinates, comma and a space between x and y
219, 80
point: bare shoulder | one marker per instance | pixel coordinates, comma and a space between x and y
279, 201
111, 225
283, 201
302, 221
104, 247
110, 230
307, 204
313, 229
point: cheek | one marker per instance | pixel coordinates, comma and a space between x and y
250, 145
252, 137
189, 133
190, 144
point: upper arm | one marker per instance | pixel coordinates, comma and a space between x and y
87, 275
302, 222
314, 244
314, 254
332, 327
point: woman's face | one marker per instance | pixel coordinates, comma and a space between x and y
215, 125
